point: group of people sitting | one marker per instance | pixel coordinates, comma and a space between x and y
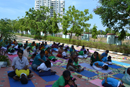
41, 56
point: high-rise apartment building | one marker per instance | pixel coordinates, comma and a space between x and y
56, 4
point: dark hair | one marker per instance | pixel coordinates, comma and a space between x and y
66, 73
128, 71
85, 51
83, 46
96, 52
42, 52
24, 80
34, 54
20, 51
75, 58
109, 58
107, 51
47, 63
106, 67
65, 49
29, 48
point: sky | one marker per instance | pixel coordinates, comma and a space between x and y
12, 9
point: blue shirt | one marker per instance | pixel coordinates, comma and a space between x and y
36, 61
104, 54
99, 63
104, 59
111, 81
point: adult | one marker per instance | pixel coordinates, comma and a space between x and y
83, 48
126, 77
63, 80
26, 53
19, 62
105, 54
73, 51
95, 57
40, 58
60, 50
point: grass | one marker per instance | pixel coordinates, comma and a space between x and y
99, 45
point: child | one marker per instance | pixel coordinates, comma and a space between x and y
73, 51
60, 50
46, 67
77, 66
84, 55
61, 82
105, 54
64, 54
70, 83
111, 82
126, 77
32, 57
22, 75
98, 65
107, 60
88, 53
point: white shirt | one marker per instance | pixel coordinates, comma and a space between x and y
64, 53
20, 64
44, 67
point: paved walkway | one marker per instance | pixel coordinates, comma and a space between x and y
93, 81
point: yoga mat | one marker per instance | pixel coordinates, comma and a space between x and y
14, 83
91, 51
48, 86
114, 66
56, 61
11, 57
120, 63
86, 73
96, 82
47, 78
119, 75
90, 67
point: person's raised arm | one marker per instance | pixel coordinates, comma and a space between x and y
41, 60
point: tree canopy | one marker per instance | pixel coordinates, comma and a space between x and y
115, 14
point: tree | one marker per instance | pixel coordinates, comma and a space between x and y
6, 29
94, 32
115, 15
38, 20
76, 20
87, 30
108, 30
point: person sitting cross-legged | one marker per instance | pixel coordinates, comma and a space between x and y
39, 58
107, 60
19, 63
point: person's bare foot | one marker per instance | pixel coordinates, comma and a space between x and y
41, 71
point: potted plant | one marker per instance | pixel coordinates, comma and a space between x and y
4, 61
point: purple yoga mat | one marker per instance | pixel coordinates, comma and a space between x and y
56, 61
48, 85
91, 51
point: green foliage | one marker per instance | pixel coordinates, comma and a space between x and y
108, 30
94, 32
4, 58
6, 29
115, 15
75, 20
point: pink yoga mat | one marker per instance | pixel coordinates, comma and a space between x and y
96, 82
91, 51
11, 57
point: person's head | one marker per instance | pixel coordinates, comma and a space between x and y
33, 56
128, 71
45, 43
63, 45
33, 43
87, 49
48, 63
26, 42
20, 53
42, 53
65, 50
105, 67
107, 51
70, 82
28, 49
54, 43
14, 40
24, 79
95, 54
109, 58
83, 47
72, 46
25, 46
73, 56
76, 59
66, 74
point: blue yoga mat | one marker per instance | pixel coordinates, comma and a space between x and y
119, 75
14, 83
47, 78
86, 73
120, 63
48, 85
114, 66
